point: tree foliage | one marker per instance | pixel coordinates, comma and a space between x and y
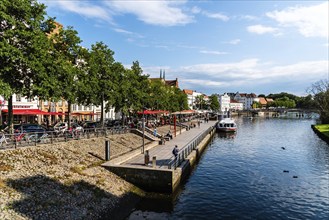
320, 92
24, 47
214, 103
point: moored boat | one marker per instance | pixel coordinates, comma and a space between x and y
226, 125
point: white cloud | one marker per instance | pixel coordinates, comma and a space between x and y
164, 13
252, 73
220, 16
83, 9
216, 16
212, 52
119, 30
248, 17
234, 41
260, 29
205, 82
310, 21
196, 10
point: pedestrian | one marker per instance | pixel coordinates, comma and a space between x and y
169, 134
175, 151
199, 123
155, 132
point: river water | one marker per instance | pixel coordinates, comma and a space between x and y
270, 169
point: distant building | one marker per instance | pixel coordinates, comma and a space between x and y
246, 99
224, 102
162, 78
235, 105
262, 101
191, 98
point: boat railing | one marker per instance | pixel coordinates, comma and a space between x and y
187, 149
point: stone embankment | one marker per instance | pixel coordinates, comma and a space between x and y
64, 180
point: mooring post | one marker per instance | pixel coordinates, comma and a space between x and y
107, 150
146, 158
154, 161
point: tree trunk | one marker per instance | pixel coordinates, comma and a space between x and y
102, 111
69, 106
10, 114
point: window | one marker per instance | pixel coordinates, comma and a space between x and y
18, 97
80, 107
74, 107
60, 103
45, 103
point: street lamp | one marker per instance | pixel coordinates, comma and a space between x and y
143, 127
180, 117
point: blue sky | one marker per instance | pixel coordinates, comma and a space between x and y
210, 46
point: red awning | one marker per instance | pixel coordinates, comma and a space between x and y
26, 112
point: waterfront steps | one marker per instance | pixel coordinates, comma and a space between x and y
156, 176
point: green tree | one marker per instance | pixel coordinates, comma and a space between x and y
67, 54
306, 102
102, 77
214, 103
139, 89
200, 102
24, 47
320, 92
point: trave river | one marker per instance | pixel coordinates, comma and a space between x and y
270, 169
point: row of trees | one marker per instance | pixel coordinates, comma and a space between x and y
39, 59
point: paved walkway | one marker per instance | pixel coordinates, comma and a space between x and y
163, 153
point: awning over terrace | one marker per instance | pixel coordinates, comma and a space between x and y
26, 112
32, 112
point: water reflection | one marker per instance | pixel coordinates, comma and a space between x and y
226, 135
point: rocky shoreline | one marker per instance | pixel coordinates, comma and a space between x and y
65, 180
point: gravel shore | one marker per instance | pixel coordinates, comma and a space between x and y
64, 180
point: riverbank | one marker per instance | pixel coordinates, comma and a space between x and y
65, 180
322, 131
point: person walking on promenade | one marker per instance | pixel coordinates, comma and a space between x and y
155, 132
175, 151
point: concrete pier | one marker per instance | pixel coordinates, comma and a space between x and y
156, 175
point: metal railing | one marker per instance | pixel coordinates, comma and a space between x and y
23, 139
187, 149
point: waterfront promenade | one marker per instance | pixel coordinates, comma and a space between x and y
163, 153
158, 177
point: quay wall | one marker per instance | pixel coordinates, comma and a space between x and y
147, 178
183, 171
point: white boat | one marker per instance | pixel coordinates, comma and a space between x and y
226, 125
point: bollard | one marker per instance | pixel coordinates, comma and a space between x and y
154, 161
107, 150
146, 158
